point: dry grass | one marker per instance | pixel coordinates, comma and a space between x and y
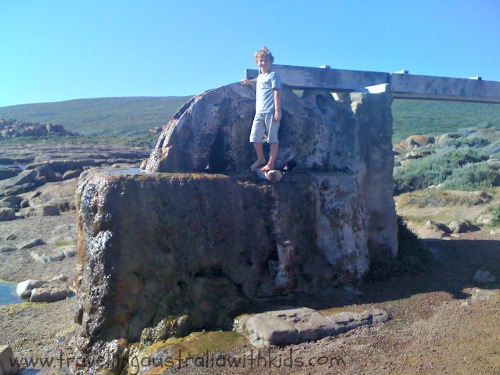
445, 206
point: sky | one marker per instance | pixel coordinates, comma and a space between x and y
55, 50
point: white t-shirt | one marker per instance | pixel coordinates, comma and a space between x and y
264, 93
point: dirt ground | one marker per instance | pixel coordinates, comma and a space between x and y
443, 323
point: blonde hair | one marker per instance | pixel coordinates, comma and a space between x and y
264, 53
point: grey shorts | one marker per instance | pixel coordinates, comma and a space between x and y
263, 123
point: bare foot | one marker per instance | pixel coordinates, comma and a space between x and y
256, 165
267, 168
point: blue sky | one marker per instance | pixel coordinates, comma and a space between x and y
56, 50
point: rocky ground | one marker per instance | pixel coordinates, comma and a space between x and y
443, 321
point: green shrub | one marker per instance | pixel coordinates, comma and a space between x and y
438, 167
470, 142
495, 221
494, 149
476, 176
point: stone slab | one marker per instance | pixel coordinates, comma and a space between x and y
402, 86
294, 326
410, 86
300, 77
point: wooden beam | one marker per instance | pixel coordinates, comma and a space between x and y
402, 86
409, 86
336, 80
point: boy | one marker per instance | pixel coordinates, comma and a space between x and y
267, 110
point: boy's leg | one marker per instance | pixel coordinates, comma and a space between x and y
259, 149
273, 154
272, 128
256, 135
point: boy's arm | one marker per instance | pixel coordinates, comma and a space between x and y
277, 104
249, 82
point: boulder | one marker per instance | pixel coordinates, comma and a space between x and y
62, 166
14, 199
317, 133
25, 177
462, 226
59, 254
483, 277
7, 249
174, 244
46, 171
45, 210
7, 214
445, 140
49, 257
59, 278
24, 288
50, 294
32, 243
485, 219
419, 141
482, 294
23, 182
438, 226
7, 364
72, 174
167, 328
9, 172
7, 205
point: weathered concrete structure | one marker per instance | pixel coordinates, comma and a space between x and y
401, 85
210, 246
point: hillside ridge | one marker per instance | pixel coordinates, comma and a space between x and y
131, 116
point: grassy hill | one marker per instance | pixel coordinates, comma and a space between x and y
128, 116
439, 117
134, 116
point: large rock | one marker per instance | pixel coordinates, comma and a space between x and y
317, 133
7, 249
58, 254
9, 172
210, 246
25, 177
7, 214
44, 210
294, 326
32, 243
462, 226
24, 288
50, 294
23, 182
